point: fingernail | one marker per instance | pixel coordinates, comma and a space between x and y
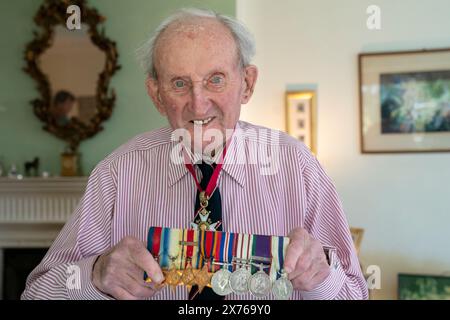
287, 269
158, 278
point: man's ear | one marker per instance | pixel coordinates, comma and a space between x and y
153, 92
250, 76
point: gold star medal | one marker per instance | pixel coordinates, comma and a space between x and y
173, 277
202, 278
188, 277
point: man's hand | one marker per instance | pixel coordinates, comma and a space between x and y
120, 271
305, 262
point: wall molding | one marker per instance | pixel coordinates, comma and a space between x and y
39, 200
33, 210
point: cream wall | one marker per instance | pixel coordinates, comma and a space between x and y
401, 200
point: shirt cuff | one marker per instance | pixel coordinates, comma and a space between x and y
332, 285
81, 287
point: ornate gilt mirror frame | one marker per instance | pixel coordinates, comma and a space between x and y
51, 14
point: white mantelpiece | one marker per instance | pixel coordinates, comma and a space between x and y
33, 210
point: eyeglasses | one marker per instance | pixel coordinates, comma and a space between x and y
217, 82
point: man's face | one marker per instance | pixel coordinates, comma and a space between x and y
67, 105
200, 81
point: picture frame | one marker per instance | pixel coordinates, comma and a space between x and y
423, 287
404, 100
301, 117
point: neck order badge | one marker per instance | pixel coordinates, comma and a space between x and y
208, 209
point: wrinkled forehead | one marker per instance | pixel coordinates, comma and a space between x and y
196, 28
204, 41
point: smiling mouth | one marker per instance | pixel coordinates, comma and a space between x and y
202, 122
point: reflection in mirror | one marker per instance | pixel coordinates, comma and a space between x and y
72, 64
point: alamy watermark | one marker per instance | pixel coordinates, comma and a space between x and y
374, 20
73, 281
73, 22
209, 144
373, 277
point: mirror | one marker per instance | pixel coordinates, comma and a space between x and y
72, 69
72, 64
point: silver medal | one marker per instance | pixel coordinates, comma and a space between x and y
282, 288
220, 282
239, 280
260, 284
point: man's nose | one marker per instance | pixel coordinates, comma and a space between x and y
200, 98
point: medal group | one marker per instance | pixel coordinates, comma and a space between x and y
226, 262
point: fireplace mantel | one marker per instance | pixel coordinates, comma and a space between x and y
51, 184
33, 210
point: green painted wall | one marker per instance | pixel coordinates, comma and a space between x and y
128, 23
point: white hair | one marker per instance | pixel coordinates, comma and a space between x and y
244, 39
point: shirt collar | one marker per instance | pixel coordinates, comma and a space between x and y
231, 166
235, 160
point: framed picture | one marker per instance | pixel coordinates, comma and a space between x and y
301, 117
405, 101
423, 287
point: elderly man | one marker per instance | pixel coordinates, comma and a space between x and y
199, 75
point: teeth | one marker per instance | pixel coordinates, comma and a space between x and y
202, 122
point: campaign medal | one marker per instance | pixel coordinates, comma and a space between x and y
173, 277
282, 288
220, 282
153, 238
239, 278
170, 251
188, 275
259, 284
202, 278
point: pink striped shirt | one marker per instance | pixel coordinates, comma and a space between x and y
138, 186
